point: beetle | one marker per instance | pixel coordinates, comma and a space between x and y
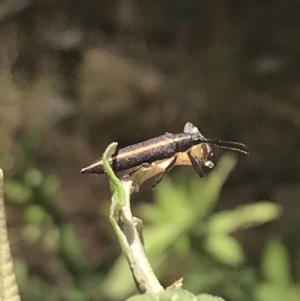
159, 155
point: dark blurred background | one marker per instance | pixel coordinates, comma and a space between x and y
76, 75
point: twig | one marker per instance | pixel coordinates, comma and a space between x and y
8, 286
129, 233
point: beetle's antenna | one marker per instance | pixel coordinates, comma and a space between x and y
235, 146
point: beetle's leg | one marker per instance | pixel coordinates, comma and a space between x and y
168, 168
196, 165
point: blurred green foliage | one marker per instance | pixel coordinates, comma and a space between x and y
43, 229
278, 282
184, 238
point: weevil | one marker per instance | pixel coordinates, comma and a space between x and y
144, 160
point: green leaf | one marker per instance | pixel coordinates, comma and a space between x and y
71, 247
206, 297
276, 265
17, 192
271, 292
33, 177
119, 282
35, 214
115, 184
204, 193
160, 237
171, 199
51, 185
243, 217
225, 249
176, 207
76, 294
21, 271
144, 297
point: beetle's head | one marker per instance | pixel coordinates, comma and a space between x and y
202, 150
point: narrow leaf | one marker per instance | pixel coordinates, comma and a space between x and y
276, 265
225, 249
243, 217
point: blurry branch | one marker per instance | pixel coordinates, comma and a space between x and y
8, 286
129, 233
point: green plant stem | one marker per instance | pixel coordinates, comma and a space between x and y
129, 233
